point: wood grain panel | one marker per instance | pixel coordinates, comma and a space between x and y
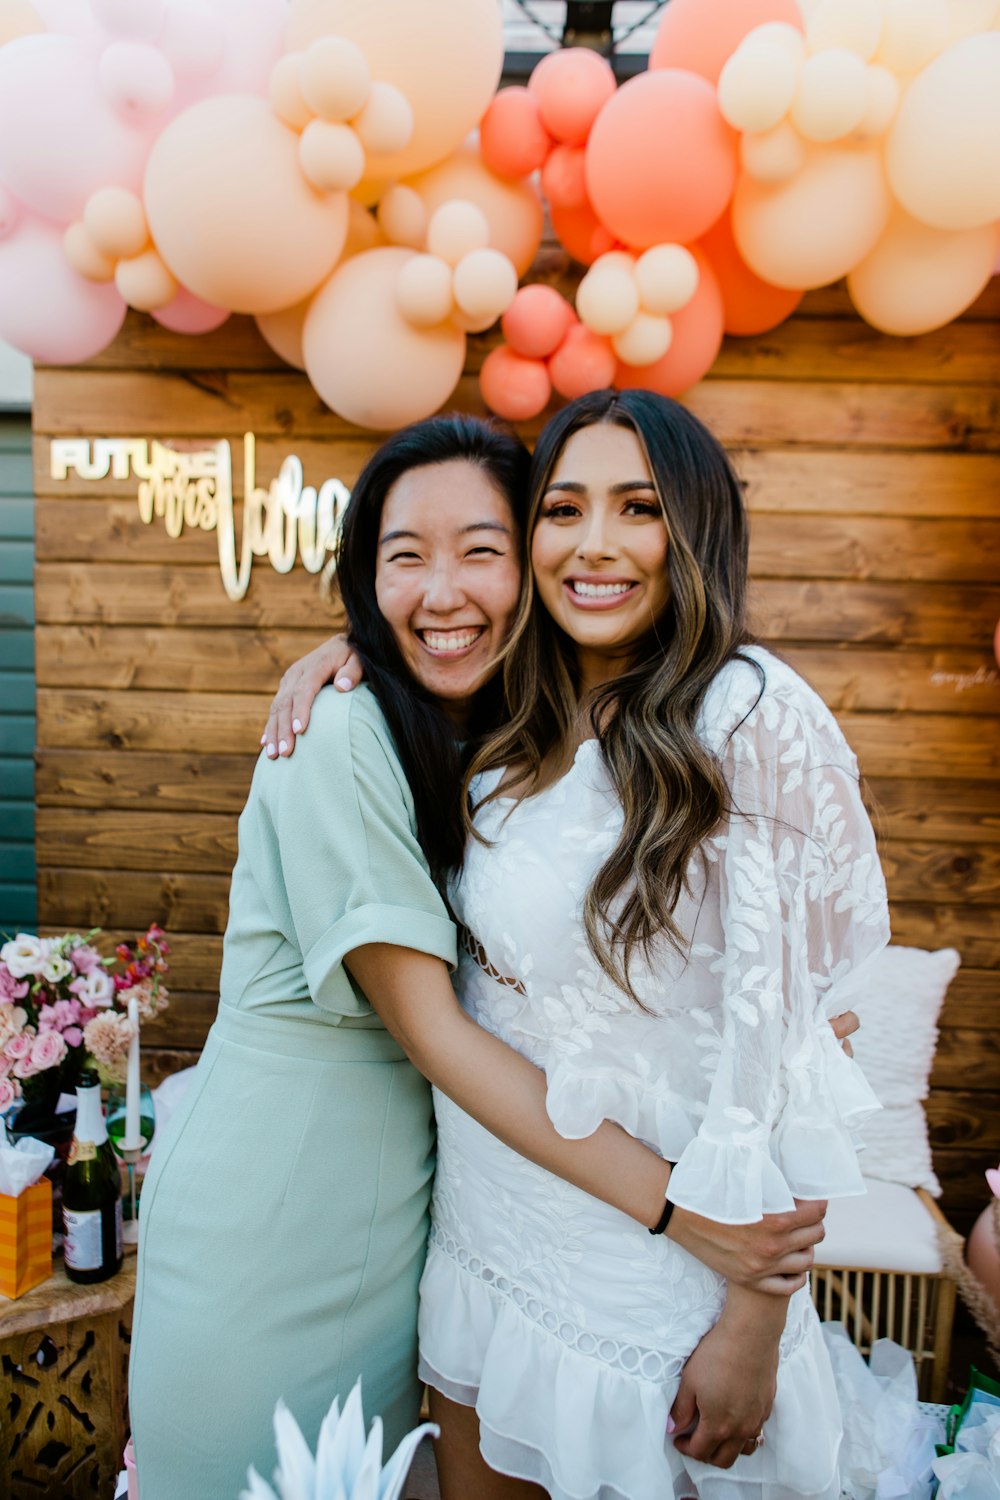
942, 872
208, 783
962, 1117
973, 930
923, 745
230, 660
184, 1024
873, 613
938, 811
849, 349
225, 724
973, 1001
103, 839
901, 679
967, 1057
124, 900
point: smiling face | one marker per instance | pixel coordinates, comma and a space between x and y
599, 548
448, 576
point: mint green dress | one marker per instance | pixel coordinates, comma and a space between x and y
285, 1214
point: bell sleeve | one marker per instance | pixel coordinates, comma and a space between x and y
803, 904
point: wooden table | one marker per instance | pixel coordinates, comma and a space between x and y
63, 1367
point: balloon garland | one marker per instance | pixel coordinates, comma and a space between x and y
311, 163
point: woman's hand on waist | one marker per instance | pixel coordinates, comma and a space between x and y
335, 661
771, 1256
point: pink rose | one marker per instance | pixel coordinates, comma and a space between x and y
48, 1050
24, 1067
11, 989
20, 1046
8, 1094
84, 959
73, 1036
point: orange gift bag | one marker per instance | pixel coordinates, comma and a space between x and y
25, 1239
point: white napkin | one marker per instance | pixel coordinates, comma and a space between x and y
23, 1164
972, 1472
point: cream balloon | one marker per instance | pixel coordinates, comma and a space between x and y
607, 299
918, 278
778, 34
363, 231
116, 222
283, 332
402, 216
831, 96
84, 256
144, 282
816, 227
513, 209
455, 229
757, 86
942, 154
667, 278
967, 17
485, 284
913, 32
644, 341
334, 78
285, 92
854, 24
621, 260
774, 156
386, 122
331, 156
883, 101
444, 55
19, 18
364, 359
424, 292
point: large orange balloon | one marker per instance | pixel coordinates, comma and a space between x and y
232, 214
698, 329
512, 208
918, 278
750, 305
445, 56
701, 35
661, 161
369, 364
581, 232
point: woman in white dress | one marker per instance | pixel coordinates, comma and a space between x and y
670, 871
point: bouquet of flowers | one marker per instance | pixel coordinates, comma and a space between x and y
61, 1002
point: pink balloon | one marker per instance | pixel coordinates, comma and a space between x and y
255, 39
10, 213
70, 18
517, 389
59, 138
189, 314
137, 81
46, 309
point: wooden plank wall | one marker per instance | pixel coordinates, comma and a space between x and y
873, 473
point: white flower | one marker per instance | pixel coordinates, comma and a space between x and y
94, 990
345, 1466
25, 954
55, 968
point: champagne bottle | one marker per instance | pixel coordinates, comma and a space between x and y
92, 1195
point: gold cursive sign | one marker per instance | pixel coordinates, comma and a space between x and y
286, 520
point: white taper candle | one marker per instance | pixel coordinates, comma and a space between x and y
133, 1138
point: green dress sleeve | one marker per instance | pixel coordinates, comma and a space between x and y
352, 868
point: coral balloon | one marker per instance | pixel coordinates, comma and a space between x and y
817, 227
774, 156
331, 156
607, 298
116, 222
485, 283
695, 347
59, 138
644, 341
571, 86
513, 210
254, 236
564, 177
537, 321
516, 388
854, 24
942, 154
84, 256
581, 233
145, 282
757, 86
46, 309
394, 373
386, 122
512, 138
667, 279
661, 161
445, 57
918, 278
402, 217
832, 95
424, 291
700, 35
136, 80
749, 304
334, 78
583, 362
283, 332
188, 314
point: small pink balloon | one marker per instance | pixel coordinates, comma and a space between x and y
136, 80
47, 310
512, 138
583, 362
537, 321
189, 314
193, 39
254, 32
126, 18
517, 389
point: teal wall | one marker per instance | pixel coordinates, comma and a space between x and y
17, 677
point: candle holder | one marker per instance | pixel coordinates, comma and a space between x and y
130, 1155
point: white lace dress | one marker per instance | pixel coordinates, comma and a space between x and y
564, 1322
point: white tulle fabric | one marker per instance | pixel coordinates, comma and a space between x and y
563, 1321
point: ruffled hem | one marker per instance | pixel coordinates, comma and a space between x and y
585, 1430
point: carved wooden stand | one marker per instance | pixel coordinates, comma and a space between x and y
63, 1366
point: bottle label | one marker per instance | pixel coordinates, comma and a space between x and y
82, 1247
119, 1244
81, 1151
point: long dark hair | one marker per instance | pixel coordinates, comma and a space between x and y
432, 758
671, 787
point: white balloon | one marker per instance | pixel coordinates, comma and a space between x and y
773, 157
832, 95
854, 24
757, 86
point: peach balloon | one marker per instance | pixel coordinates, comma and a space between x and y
516, 388
188, 314
966, 17
455, 229
774, 156
513, 209
661, 161
942, 154
571, 86
253, 235
512, 138
334, 78
700, 35
564, 176
918, 278
145, 282
854, 24
883, 100
363, 231
537, 321
817, 227
19, 18
366, 361
444, 56
667, 279
116, 222
831, 97
331, 156
84, 256
424, 292
285, 92
583, 362
283, 332
484, 284
644, 341
386, 121
695, 347
757, 86
913, 32
607, 298
749, 304
402, 217
581, 233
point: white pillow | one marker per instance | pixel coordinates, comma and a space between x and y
898, 998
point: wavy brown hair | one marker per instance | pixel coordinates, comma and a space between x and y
671, 787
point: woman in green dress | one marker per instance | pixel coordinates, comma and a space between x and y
285, 1214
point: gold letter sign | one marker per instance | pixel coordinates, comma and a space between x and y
195, 489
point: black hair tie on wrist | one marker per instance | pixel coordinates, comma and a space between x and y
661, 1224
